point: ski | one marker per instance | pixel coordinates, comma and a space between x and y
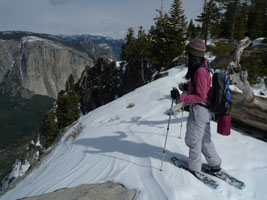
225, 177
200, 176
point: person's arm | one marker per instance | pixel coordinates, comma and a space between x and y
202, 83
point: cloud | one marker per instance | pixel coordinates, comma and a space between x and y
110, 18
58, 2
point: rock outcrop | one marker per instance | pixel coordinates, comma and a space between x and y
102, 191
34, 65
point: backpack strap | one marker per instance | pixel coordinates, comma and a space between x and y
209, 69
205, 66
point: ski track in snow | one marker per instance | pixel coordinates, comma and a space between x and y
125, 145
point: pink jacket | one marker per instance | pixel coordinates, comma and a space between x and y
202, 84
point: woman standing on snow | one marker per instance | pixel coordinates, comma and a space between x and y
198, 135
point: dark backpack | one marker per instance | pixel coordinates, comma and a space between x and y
219, 99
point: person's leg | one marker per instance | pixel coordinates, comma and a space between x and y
208, 149
196, 124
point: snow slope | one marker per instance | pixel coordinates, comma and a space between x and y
125, 145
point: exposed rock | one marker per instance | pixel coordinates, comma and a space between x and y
34, 65
8, 51
102, 191
159, 75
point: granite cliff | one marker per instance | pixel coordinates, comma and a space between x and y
34, 65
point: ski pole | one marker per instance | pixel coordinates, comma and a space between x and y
163, 153
182, 121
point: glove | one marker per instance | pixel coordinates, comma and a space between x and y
175, 94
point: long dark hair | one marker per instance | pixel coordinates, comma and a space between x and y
194, 63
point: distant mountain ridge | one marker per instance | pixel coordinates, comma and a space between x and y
101, 43
108, 43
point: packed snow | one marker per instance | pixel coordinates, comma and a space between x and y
18, 171
260, 89
32, 39
124, 144
104, 45
258, 41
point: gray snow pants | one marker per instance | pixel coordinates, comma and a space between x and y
198, 138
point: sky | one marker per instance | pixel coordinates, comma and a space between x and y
102, 17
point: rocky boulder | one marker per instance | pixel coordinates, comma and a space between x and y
102, 191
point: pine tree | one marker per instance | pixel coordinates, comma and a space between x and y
210, 19
168, 36
159, 45
127, 52
64, 113
62, 110
137, 52
75, 108
71, 101
257, 18
50, 128
230, 17
205, 22
265, 17
198, 30
177, 31
69, 87
67, 104
143, 50
191, 31
233, 10
241, 27
265, 21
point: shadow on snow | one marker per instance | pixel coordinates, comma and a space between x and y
119, 143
